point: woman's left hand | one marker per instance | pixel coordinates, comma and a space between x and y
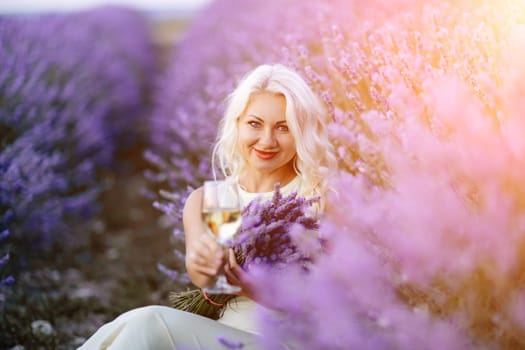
237, 276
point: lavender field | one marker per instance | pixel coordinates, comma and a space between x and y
101, 121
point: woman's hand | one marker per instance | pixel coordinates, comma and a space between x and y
237, 276
205, 257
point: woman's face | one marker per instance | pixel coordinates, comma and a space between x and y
265, 142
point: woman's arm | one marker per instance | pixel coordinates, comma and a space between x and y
204, 256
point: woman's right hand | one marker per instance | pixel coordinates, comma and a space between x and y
205, 256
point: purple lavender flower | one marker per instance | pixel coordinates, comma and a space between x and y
229, 344
7, 281
4, 259
4, 234
173, 274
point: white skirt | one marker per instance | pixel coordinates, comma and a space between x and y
240, 314
161, 327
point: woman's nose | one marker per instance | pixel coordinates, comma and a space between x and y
267, 138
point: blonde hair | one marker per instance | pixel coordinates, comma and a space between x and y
306, 118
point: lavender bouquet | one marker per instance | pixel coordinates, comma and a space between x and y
268, 237
265, 236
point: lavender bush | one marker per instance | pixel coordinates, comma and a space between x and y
72, 90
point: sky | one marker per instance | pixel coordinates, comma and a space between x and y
39, 6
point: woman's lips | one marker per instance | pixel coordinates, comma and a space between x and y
265, 155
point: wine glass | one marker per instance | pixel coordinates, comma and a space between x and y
221, 214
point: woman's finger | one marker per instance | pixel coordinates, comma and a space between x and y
231, 276
209, 243
202, 265
231, 259
237, 276
233, 266
200, 260
206, 270
207, 247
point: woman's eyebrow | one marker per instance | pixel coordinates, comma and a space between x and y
255, 117
262, 120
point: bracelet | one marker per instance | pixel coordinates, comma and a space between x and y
209, 300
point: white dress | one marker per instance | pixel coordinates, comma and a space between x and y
158, 327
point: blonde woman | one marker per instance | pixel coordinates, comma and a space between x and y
273, 130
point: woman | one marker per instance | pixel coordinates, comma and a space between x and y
273, 131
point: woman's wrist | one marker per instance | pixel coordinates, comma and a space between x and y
201, 280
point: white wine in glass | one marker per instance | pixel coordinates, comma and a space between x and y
222, 223
221, 214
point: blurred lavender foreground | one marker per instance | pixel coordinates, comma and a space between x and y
74, 94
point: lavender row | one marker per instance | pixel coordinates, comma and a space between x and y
426, 108
72, 93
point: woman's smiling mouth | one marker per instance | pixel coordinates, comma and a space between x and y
264, 155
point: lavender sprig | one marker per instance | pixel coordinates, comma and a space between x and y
230, 344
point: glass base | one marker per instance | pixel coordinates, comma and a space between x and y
222, 287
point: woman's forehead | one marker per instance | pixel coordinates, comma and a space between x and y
266, 106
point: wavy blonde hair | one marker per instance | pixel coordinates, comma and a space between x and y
306, 118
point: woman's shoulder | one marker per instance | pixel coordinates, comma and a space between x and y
194, 199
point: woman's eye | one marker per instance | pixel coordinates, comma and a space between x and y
283, 128
254, 124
